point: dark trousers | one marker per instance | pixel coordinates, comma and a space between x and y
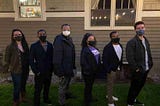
16, 78
42, 81
138, 80
63, 89
25, 74
88, 81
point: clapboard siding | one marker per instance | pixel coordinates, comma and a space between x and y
52, 26
153, 32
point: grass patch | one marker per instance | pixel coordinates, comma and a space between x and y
150, 94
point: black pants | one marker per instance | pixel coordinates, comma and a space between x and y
42, 81
138, 80
88, 80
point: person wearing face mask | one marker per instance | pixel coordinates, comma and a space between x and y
41, 54
112, 62
64, 62
90, 65
16, 61
139, 58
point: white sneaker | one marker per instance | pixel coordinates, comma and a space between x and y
111, 105
130, 105
114, 98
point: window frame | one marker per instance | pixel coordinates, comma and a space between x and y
112, 19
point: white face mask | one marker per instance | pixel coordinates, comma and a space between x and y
66, 33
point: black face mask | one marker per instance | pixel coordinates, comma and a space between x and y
115, 40
18, 38
92, 43
42, 38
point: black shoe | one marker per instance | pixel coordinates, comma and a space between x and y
94, 100
63, 105
48, 102
70, 96
138, 102
87, 104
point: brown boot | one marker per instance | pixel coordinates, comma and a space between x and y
23, 97
15, 103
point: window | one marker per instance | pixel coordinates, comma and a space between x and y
100, 12
30, 10
125, 12
112, 13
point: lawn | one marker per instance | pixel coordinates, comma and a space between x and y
150, 94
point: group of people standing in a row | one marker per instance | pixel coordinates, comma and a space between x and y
59, 57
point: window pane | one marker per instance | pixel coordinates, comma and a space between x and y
30, 8
30, 12
125, 16
125, 3
100, 13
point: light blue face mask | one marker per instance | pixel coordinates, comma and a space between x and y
140, 32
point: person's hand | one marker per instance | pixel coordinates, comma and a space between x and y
38, 73
137, 70
61, 77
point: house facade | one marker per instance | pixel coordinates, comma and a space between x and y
99, 17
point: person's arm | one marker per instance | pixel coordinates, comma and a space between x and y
106, 60
130, 55
32, 59
58, 57
84, 61
150, 61
6, 58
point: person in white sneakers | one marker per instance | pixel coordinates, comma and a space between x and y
112, 61
114, 98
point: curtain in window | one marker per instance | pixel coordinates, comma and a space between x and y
134, 3
94, 4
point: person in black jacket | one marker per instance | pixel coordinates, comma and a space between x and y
41, 54
112, 61
90, 65
139, 57
64, 61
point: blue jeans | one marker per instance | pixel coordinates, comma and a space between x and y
16, 78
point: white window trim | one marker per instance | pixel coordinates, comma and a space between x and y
65, 14
43, 9
6, 15
112, 20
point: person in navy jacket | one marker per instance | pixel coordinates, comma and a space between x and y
90, 65
112, 61
41, 54
64, 62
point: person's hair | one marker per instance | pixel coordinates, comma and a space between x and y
24, 42
137, 23
113, 32
41, 30
84, 40
65, 25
